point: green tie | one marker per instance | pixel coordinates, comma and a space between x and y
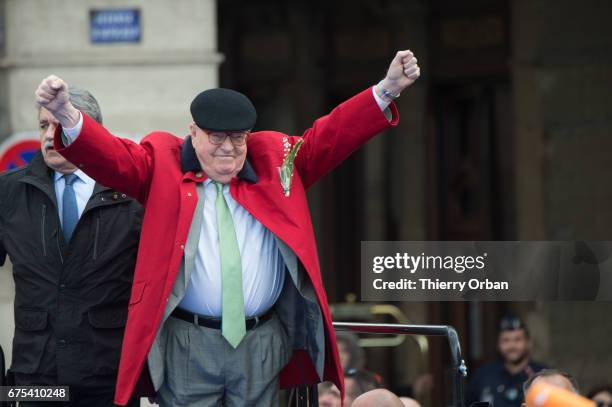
233, 326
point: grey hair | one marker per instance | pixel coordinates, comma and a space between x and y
548, 373
84, 101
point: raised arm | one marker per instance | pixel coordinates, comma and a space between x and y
112, 161
334, 137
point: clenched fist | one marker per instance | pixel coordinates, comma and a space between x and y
52, 94
402, 73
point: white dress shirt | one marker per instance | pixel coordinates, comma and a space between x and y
83, 189
263, 268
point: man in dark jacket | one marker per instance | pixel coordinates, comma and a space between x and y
500, 382
73, 245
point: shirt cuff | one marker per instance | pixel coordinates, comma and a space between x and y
383, 104
71, 133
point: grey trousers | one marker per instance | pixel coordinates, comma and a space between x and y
202, 369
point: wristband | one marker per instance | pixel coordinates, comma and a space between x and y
386, 94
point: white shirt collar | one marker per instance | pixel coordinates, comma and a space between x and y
80, 174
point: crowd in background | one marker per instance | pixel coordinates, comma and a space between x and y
502, 382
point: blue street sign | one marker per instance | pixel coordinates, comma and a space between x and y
114, 25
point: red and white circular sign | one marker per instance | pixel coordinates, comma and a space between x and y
18, 150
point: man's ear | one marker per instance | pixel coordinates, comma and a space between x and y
192, 129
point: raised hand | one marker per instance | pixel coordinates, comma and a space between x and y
52, 94
403, 72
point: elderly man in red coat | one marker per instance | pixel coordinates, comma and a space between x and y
227, 301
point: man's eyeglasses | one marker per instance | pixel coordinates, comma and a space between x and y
602, 404
237, 138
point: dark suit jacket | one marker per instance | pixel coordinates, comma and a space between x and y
70, 297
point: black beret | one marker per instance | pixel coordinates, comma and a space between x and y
223, 110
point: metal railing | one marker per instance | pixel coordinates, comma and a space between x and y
307, 396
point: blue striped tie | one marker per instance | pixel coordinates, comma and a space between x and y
70, 212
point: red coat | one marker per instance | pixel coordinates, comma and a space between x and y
151, 172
